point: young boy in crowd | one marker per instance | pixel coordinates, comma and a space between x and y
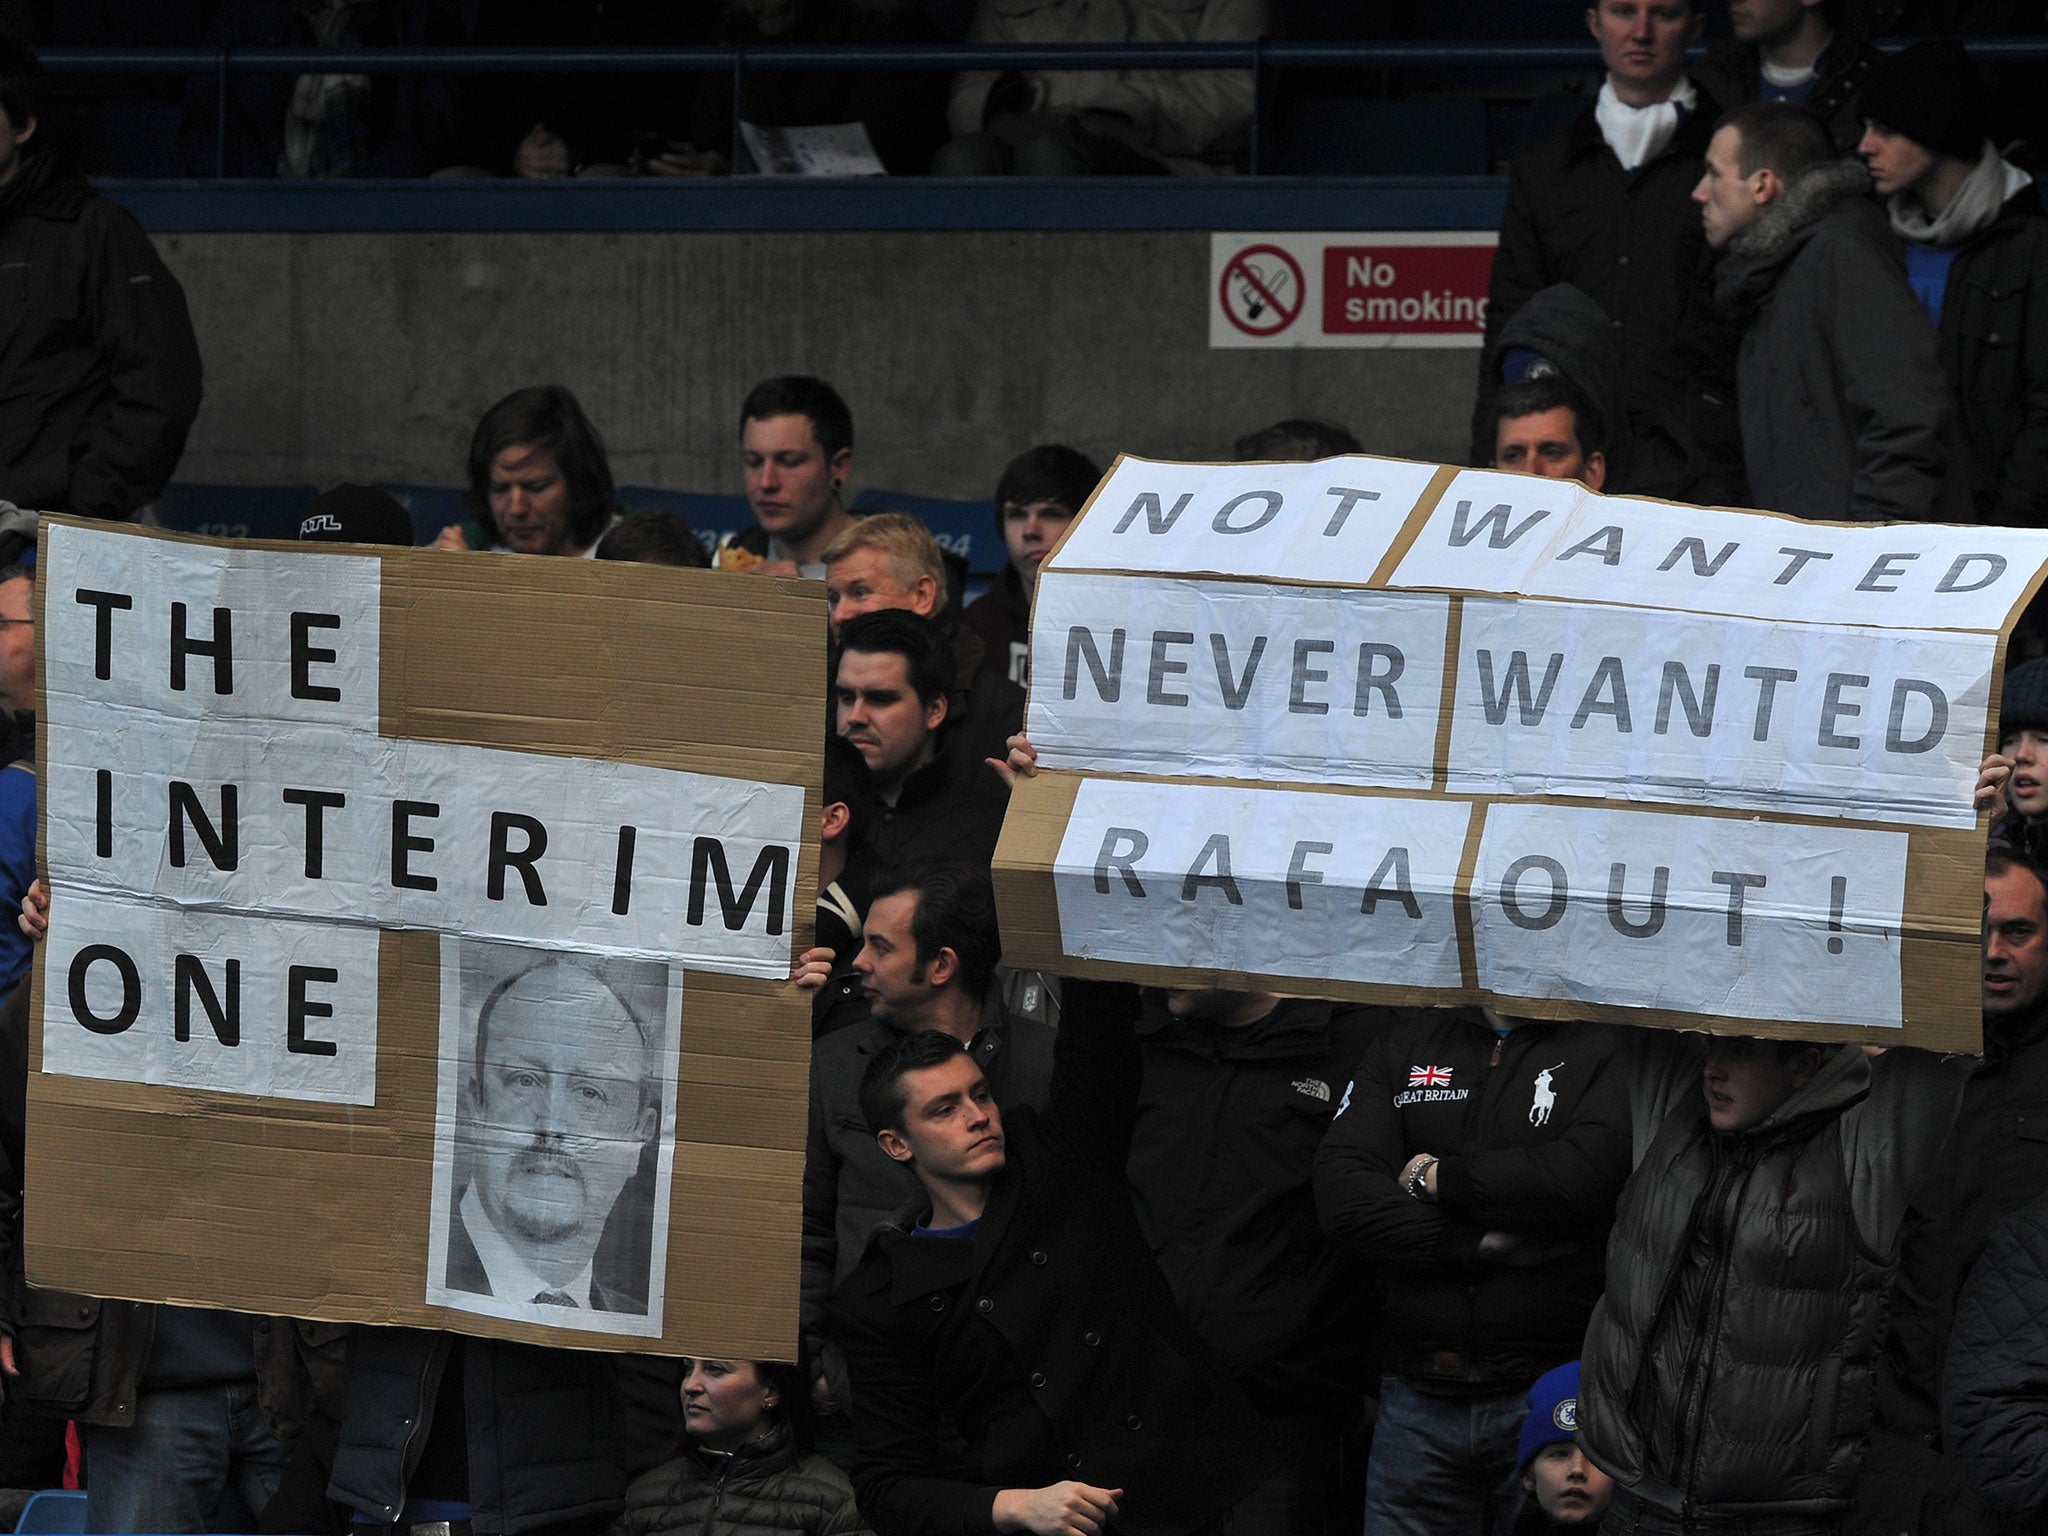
2014, 780
1564, 1489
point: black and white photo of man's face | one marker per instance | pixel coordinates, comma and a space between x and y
561, 1103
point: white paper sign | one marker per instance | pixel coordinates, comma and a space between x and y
1502, 533
148, 994
216, 787
1631, 703
1237, 680
1333, 520
1741, 919
554, 1137
188, 631
1276, 882
348, 826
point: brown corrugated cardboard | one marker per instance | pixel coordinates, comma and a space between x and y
1937, 941
163, 1193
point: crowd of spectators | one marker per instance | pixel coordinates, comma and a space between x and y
1027, 122
1077, 1258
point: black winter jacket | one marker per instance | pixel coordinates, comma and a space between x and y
951, 809
1845, 416
1533, 1136
1634, 245
1994, 1163
553, 1434
1222, 1157
851, 1186
1001, 616
1994, 348
1994, 1398
1050, 1340
1731, 71
1728, 1367
763, 1489
99, 372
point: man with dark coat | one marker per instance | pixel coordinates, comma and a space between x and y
1804, 52
1994, 1404
936, 797
1017, 1301
1728, 1367
1474, 1160
1845, 416
1038, 495
890, 560
929, 961
1994, 1162
99, 373
1603, 204
1237, 1092
1977, 257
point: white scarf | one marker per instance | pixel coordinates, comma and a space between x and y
1638, 135
1992, 183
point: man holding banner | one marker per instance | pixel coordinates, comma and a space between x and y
1369, 730
1476, 1164
1022, 1304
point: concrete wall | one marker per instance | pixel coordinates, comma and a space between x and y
370, 356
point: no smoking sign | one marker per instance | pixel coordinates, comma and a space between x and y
1262, 290
1383, 288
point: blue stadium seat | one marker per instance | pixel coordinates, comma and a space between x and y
55, 1512
1360, 136
433, 507
966, 528
235, 511
710, 516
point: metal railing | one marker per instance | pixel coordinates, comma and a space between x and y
736, 61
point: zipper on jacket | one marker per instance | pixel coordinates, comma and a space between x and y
717, 1497
419, 1427
1710, 1336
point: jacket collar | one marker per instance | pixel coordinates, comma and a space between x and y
1842, 1081
919, 1266
46, 186
1759, 253
772, 1452
2016, 1034
929, 782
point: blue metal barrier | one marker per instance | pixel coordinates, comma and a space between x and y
800, 203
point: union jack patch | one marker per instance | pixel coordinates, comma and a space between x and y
1429, 1077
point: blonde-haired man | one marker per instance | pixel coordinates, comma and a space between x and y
891, 560
886, 560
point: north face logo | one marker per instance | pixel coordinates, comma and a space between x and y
1314, 1087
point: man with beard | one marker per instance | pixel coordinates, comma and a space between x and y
560, 1101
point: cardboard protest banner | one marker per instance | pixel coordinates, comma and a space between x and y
1401, 732
419, 935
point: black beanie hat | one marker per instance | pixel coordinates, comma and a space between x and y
357, 514
1930, 92
2024, 704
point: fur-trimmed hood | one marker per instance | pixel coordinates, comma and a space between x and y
1757, 254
